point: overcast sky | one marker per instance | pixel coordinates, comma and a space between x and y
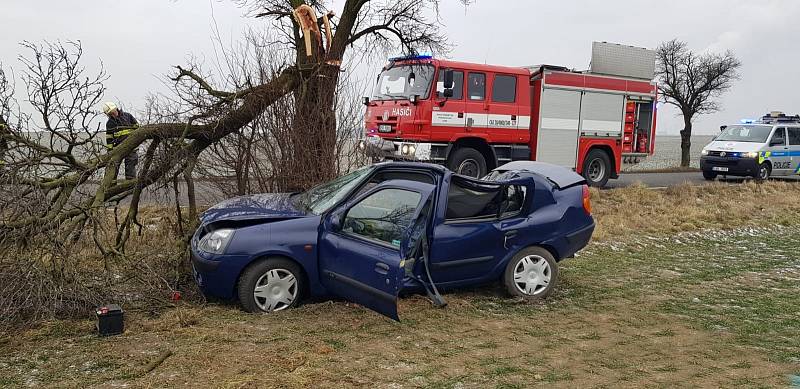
139, 40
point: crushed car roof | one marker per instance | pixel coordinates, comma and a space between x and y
560, 176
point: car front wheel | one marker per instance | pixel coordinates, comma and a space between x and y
709, 176
271, 285
531, 274
764, 171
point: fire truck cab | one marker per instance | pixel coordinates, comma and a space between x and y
475, 117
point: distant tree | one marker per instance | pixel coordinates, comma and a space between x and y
693, 82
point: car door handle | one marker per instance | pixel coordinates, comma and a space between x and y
381, 268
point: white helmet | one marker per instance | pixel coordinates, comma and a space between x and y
108, 107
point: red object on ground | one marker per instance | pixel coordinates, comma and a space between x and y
175, 295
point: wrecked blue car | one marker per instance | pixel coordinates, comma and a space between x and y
394, 228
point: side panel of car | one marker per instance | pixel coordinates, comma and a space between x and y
794, 148
779, 154
295, 240
360, 256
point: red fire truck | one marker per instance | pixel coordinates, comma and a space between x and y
475, 117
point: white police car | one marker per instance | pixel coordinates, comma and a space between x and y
763, 148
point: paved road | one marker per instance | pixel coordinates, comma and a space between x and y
660, 180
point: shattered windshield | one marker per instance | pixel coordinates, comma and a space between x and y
400, 82
322, 197
755, 134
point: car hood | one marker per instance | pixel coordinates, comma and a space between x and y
724, 145
266, 206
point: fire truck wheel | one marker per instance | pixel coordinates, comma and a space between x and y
467, 162
597, 168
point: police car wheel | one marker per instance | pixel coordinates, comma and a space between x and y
709, 176
764, 171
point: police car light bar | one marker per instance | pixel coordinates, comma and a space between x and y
779, 117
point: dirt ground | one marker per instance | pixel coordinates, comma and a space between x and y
670, 294
669, 311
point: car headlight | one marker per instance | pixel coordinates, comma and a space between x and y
751, 154
216, 241
704, 152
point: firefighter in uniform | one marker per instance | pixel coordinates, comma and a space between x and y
120, 124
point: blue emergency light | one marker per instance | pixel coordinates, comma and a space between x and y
411, 57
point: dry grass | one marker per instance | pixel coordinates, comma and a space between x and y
624, 315
638, 210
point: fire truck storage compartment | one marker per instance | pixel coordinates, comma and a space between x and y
601, 114
644, 126
557, 140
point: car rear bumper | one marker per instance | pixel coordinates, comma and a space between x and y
725, 166
579, 239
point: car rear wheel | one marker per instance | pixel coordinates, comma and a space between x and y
764, 171
467, 162
531, 274
709, 176
271, 285
597, 168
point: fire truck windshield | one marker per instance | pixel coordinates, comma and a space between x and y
402, 81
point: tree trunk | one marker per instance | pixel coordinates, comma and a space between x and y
190, 192
686, 140
314, 135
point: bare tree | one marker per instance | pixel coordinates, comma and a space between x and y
202, 111
693, 83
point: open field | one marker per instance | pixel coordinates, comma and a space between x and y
668, 154
686, 287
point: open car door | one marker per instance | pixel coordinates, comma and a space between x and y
363, 244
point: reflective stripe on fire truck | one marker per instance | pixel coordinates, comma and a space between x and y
479, 120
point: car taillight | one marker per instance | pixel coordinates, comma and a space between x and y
587, 200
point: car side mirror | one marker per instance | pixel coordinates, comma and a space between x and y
447, 93
448, 79
336, 221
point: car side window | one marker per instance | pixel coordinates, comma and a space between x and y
476, 86
468, 200
382, 216
514, 200
779, 137
794, 136
458, 84
504, 89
